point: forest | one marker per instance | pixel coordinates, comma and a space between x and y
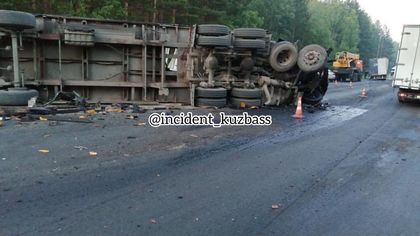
339, 24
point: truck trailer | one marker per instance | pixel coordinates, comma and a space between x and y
407, 72
113, 61
378, 68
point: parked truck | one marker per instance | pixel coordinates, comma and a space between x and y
112, 61
378, 68
347, 66
407, 72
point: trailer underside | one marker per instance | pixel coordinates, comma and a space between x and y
111, 61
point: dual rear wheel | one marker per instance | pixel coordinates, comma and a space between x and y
240, 97
210, 97
246, 97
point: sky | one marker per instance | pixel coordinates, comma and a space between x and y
393, 14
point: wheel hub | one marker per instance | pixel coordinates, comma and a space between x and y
283, 57
312, 58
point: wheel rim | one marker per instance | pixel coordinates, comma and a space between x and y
312, 58
284, 57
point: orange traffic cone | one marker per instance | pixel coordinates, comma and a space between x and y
351, 84
363, 93
299, 112
336, 83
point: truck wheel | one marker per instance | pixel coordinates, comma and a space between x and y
266, 51
210, 102
213, 30
236, 102
249, 43
312, 58
283, 56
315, 96
16, 20
246, 93
214, 41
210, 92
249, 33
17, 96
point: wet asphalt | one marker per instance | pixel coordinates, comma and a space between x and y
351, 169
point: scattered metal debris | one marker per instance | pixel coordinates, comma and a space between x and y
275, 206
71, 97
58, 118
81, 148
43, 150
316, 107
91, 153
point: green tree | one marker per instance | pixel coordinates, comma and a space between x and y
340, 24
109, 9
277, 16
334, 24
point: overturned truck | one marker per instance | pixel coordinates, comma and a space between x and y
112, 61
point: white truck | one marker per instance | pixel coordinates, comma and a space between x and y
378, 68
407, 72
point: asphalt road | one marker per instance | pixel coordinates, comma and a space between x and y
352, 169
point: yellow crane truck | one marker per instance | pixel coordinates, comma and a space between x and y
347, 66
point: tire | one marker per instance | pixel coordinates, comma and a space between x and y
17, 96
312, 58
315, 97
283, 56
249, 33
312, 98
213, 30
210, 102
214, 41
249, 43
210, 92
268, 46
16, 20
236, 102
246, 93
